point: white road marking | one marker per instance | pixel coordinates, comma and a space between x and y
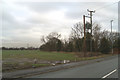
109, 73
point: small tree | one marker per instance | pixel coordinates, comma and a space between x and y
51, 42
104, 46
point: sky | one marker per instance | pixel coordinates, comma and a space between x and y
25, 21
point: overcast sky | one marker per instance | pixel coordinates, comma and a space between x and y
26, 21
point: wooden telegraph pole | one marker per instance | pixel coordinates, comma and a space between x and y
84, 44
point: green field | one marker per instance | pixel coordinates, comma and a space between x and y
24, 59
32, 54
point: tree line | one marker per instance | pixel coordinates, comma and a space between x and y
21, 48
101, 40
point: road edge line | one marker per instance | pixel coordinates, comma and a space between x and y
109, 73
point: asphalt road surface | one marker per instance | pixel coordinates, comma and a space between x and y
103, 69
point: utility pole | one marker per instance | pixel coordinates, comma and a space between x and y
91, 26
84, 44
111, 36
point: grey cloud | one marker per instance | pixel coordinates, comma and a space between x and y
7, 17
74, 9
41, 6
10, 23
23, 32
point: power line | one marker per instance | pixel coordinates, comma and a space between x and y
105, 6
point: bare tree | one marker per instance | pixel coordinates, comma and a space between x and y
77, 31
43, 40
75, 39
51, 42
96, 36
53, 35
50, 36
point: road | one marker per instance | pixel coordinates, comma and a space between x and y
103, 69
